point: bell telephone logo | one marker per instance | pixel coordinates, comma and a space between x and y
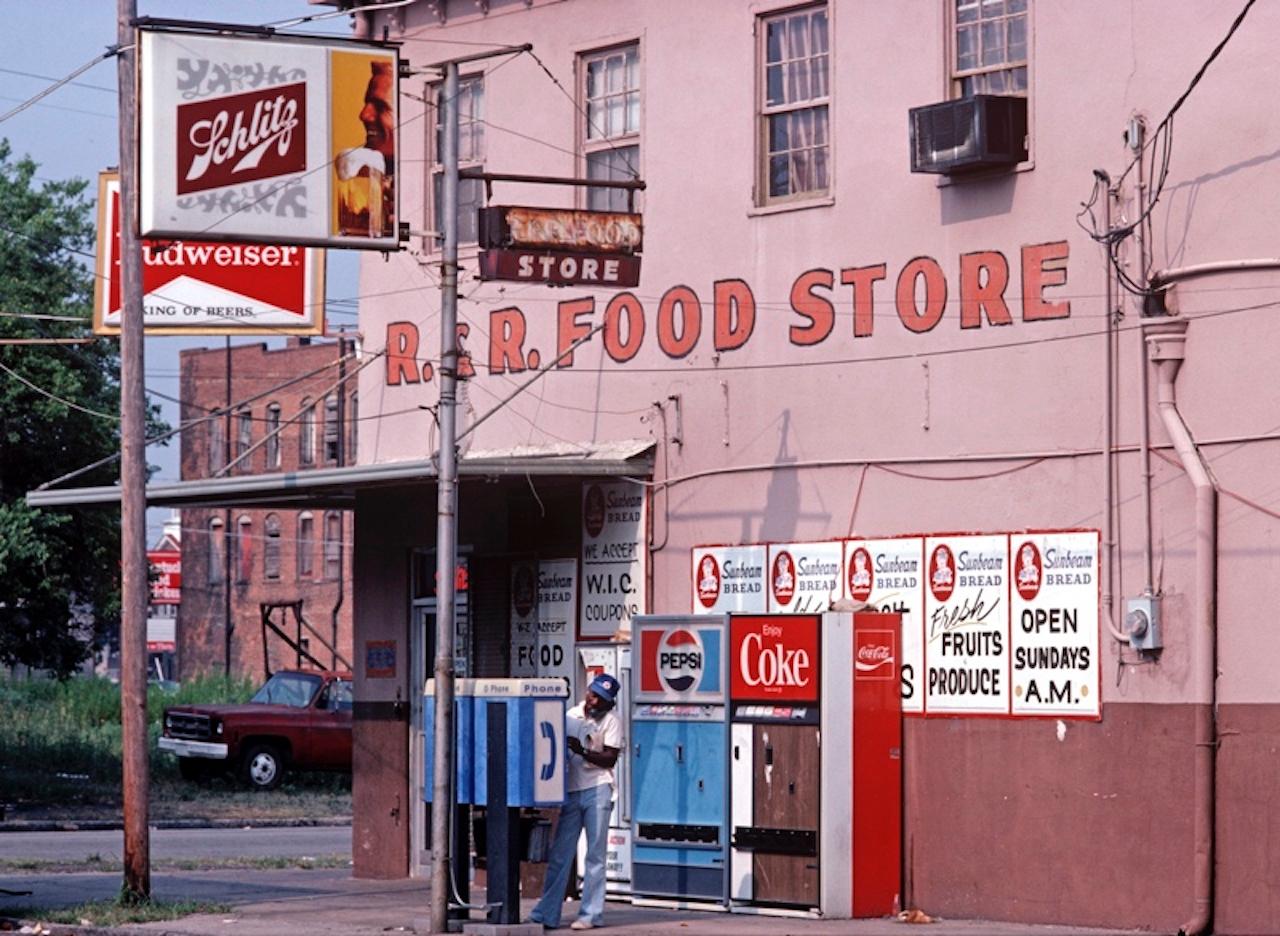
1028, 571
861, 579
708, 581
942, 572
783, 578
680, 661
775, 658
242, 138
875, 654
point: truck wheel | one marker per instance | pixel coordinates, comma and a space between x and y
262, 767
191, 768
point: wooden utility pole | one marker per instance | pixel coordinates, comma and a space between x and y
133, 480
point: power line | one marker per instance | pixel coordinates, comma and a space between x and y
111, 52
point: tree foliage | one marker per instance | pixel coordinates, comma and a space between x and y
59, 406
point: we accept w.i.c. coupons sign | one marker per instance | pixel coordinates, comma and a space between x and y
992, 624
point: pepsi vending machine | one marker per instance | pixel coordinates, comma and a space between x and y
679, 766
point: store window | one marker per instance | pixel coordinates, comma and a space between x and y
471, 153
611, 137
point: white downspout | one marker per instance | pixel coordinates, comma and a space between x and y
1166, 344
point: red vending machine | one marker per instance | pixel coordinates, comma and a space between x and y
877, 764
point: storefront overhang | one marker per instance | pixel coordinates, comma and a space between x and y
337, 487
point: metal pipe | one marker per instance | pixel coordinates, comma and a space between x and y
1144, 416
1107, 559
1162, 278
446, 512
1166, 344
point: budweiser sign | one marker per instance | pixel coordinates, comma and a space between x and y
775, 658
242, 138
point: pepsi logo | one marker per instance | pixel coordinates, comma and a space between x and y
942, 572
681, 658
707, 581
861, 579
1028, 571
783, 578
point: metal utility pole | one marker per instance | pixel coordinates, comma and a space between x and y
133, 480
446, 511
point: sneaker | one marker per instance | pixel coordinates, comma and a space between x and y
582, 925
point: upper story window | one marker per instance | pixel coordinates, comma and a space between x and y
215, 550
990, 52
306, 546
271, 548
244, 439
307, 433
795, 105
217, 444
353, 423
242, 550
273, 436
611, 137
332, 546
471, 152
332, 431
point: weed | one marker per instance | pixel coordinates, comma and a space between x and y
115, 912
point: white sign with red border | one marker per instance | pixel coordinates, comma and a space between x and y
966, 602
729, 578
804, 578
557, 605
1054, 625
888, 575
614, 557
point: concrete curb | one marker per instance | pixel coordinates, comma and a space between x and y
101, 825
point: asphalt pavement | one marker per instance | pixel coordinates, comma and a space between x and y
248, 841
329, 902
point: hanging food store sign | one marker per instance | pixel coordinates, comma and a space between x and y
562, 247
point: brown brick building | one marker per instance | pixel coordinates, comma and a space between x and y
291, 410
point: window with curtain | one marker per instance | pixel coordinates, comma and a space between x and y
271, 547
216, 547
611, 134
306, 546
795, 96
332, 546
307, 433
990, 51
471, 152
273, 436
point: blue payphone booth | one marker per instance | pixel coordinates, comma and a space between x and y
679, 759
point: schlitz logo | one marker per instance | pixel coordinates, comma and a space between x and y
242, 138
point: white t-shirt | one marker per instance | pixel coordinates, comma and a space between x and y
595, 735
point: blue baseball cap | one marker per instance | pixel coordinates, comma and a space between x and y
605, 686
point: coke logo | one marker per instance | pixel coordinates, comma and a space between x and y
874, 656
784, 578
593, 511
1028, 571
861, 580
708, 581
772, 667
681, 658
242, 138
942, 572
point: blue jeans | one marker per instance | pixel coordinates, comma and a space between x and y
583, 809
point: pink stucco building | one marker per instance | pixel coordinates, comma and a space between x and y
826, 345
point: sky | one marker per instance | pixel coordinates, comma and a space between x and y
73, 134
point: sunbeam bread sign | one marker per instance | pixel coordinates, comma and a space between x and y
280, 140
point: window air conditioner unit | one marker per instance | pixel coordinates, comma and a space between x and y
985, 131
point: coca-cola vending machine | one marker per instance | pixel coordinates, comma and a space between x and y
615, 659
775, 760
679, 734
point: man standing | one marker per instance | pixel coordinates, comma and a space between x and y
594, 738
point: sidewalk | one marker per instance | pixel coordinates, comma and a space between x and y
332, 903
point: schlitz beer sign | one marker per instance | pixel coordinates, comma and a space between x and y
562, 247
193, 287
286, 141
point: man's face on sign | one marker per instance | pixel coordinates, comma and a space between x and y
378, 114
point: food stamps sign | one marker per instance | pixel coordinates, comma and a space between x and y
279, 140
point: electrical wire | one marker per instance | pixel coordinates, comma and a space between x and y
111, 52
70, 404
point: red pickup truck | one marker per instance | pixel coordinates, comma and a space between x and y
299, 719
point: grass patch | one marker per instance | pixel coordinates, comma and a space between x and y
96, 863
115, 912
62, 743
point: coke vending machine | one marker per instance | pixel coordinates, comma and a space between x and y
679, 733
775, 759
615, 659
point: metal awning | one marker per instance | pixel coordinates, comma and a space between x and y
337, 487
